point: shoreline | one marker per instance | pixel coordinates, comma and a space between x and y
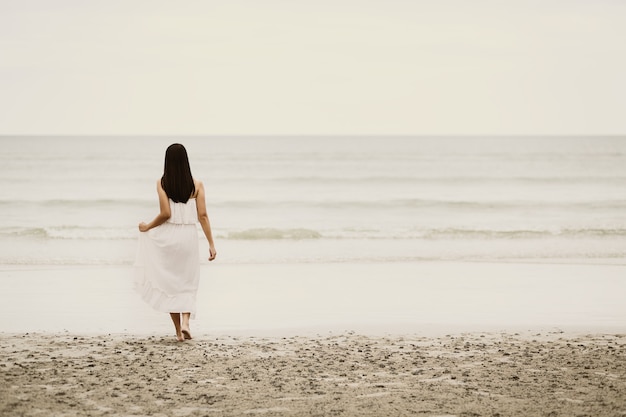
433, 339
428, 298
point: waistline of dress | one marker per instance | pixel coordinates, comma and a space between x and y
182, 224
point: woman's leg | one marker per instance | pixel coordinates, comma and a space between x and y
185, 326
176, 319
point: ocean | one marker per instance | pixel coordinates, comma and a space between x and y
307, 199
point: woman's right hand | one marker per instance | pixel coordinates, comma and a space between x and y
143, 227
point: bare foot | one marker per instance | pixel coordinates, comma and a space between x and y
180, 337
186, 334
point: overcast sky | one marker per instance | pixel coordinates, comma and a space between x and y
313, 67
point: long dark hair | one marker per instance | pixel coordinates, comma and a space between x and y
177, 180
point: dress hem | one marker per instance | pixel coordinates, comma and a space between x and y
162, 302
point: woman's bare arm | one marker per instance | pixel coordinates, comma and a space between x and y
203, 218
164, 213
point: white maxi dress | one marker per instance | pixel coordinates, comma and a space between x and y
167, 266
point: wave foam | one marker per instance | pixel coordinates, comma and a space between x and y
70, 232
271, 233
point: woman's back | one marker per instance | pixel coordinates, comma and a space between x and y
183, 213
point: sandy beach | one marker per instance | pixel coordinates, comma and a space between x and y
432, 339
548, 374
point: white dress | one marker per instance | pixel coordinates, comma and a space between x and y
167, 266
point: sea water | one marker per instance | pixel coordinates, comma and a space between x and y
78, 200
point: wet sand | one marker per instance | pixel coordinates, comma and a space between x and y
475, 374
429, 298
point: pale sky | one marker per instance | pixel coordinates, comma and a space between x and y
313, 67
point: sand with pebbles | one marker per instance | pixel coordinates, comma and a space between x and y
549, 374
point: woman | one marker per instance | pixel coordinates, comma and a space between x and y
167, 265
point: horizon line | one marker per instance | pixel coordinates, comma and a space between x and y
318, 135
